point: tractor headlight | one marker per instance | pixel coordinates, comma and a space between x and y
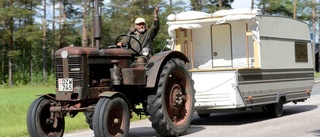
64, 54
145, 51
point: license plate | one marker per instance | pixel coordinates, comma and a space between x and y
65, 84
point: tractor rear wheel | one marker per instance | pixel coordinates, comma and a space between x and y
172, 106
40, 122
111, 118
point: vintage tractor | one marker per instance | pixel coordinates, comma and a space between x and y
108, 85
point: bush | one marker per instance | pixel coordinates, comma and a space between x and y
20, 79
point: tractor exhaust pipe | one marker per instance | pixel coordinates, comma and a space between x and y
97, 24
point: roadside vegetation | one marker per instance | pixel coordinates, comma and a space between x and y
316, 74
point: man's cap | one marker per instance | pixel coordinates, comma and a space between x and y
139, 20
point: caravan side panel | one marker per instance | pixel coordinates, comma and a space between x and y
264, 86
283, 72
278, 43
282, 27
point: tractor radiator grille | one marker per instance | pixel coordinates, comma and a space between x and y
75, 70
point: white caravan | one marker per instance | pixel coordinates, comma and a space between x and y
241, 60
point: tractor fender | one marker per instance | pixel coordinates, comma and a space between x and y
48, 96
115, 94
156, 62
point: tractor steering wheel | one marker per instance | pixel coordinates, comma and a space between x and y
128, 46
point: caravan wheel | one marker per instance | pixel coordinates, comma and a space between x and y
275, 109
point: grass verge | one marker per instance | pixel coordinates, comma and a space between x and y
15, 103
316, 75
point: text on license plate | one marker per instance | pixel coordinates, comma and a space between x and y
65, 84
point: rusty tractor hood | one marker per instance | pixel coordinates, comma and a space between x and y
90, 51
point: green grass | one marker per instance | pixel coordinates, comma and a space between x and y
316, 75
14, 104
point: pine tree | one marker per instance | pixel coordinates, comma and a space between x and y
210, 5
13, 13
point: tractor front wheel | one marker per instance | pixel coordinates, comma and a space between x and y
111, 118
172, 106
41, 122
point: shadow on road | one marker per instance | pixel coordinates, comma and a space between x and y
316, 133
246, 117
232, 118
295, 109
143, 132
150, 132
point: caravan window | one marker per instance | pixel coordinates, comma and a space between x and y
301, 52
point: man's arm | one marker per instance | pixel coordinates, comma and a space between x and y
155, 24
124, 40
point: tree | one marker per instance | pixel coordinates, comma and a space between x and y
11, 15
84, 23
276, 7
24, 41
198, 5
305, 9
53, 43
210, 5
44, 72
8, 29
68, 18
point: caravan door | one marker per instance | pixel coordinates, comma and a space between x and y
221, 45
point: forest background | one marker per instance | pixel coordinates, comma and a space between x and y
31, 31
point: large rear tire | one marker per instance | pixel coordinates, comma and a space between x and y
39, 122
172, 106
111, 118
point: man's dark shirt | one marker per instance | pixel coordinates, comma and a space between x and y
145, 38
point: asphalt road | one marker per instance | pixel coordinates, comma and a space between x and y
300, 120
